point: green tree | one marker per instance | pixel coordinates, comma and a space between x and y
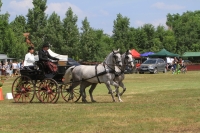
0, 5
141, 40
37, 22
71, 34
186, 30
18, 27
54, 33
132, 38
88, 47
149, 30
121, 33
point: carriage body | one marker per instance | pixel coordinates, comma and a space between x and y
37, 82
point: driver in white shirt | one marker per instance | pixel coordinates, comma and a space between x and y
29, 58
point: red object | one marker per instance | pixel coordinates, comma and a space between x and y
1, 94
135, 53
52, 66
193, 67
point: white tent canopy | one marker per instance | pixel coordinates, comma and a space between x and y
60, 57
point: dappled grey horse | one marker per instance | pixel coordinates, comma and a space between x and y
102, 73
127, 61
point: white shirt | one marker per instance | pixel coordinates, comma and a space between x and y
14, 65
29, 59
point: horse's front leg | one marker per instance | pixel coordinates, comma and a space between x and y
121, 84
110, 90
117, 90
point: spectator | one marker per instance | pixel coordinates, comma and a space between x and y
6, 69
15, 67
1, 68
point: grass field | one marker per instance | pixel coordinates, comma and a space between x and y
152, 103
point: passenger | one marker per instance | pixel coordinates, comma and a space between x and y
29, 59
45, 57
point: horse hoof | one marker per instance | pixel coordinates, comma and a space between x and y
94, 101
84, 101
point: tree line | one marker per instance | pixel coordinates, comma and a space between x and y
89, 44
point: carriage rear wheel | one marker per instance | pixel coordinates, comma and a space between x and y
23, 89
47, 91
70, 95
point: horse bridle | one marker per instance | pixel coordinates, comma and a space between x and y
126, 59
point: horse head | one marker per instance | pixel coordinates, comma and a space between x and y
117, 58
128, 60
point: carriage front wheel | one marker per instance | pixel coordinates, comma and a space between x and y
23, 89
70, 95
47, 91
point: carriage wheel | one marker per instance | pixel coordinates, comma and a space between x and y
23, 89
70, 96
47, 91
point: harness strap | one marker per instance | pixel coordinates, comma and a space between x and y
96, 73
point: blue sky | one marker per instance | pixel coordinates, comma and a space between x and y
102, 13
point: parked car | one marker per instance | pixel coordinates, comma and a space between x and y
153, 65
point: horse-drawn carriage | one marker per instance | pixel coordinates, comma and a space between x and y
45, 86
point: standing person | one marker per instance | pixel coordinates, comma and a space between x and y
6, 69
45, 57
175, 63
29, 58
1, 68
10, 66
15, 67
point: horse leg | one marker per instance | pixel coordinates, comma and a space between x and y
82, 90
110, 90
71, 89
121, 84
117, 90
117, 94
93, 86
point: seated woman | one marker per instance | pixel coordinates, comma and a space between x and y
29, 59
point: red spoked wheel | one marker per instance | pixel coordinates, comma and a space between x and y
23, 89
47, 91
70, 95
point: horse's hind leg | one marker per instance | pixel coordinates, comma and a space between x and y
82, 90
75, 84
93, 86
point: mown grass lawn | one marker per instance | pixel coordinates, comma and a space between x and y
152, 103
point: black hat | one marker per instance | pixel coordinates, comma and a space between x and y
45, 45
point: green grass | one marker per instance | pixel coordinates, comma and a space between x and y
152, 103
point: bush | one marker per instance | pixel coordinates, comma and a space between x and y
1, 84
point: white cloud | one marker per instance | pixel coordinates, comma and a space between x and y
19, 7
161, 5
61, 9
155, 22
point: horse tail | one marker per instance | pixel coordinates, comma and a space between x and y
68, 75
